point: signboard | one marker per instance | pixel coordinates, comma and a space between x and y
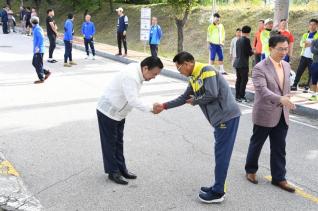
145, 23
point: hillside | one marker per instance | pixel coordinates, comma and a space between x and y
233, 16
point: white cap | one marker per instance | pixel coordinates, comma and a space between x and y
268, 20
120, 9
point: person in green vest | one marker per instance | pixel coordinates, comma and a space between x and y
265, 35
216, 39
306, 54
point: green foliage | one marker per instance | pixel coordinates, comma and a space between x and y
90, 5
180, 7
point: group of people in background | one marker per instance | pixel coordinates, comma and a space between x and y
8, 20
241, 49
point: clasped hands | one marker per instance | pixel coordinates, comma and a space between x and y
159, 107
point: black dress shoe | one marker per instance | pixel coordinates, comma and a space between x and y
128, 175
117, 178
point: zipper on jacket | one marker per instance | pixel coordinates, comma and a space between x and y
123, 107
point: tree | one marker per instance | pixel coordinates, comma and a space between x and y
281, 11
182, 10
111, 8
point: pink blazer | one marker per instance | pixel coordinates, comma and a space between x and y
267, 109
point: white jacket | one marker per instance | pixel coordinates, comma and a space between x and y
122, 94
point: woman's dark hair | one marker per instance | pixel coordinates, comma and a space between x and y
274, 40
182, 57
151, 62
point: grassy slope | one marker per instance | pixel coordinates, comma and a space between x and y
233, 16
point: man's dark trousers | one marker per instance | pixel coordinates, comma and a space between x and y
121, 38
224, 135
37, 62
111, 136
52, 39
89, 42
241, 82
277, 136
68, 51
154, 50
5, 27
303, 64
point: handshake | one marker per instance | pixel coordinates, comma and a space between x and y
157, 108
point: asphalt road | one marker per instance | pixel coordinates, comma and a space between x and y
49, 132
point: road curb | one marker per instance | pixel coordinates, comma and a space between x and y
300, 109
13, 193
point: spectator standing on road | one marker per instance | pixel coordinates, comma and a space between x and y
285, 32
314, 70
11, 20
68, 40
216, 39
22, 21
208, 89
265, 35
51, 30
257, 43
243, 52
27, 18
155, 35
33, 12
88, 31
4, 20
38, 51
238, 34
271, 113
122, 26
119, 98
306, 54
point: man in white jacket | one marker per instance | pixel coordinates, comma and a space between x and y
119, 98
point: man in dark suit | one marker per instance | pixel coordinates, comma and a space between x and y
241, 63
271, 113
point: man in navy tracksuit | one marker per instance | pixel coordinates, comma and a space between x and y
122, 26
88, 31
155, 35
4, 19
208, 89
38, 50
68, 39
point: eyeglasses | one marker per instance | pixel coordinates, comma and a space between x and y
178, 68
281, 49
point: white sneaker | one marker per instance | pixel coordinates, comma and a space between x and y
93, 58
87, 57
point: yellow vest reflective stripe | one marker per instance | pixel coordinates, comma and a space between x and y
197, 83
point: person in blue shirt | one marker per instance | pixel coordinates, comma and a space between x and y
155, 35
122, 26
38, 51
4, 20
68, 40
88, 31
